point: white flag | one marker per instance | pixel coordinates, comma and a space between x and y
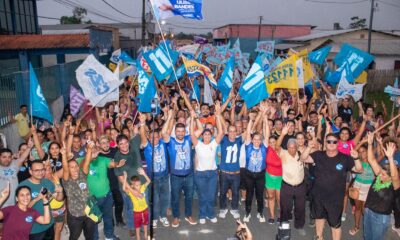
300, 73
97, 82
345, 88
207, 93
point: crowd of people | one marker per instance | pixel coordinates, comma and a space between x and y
288, 150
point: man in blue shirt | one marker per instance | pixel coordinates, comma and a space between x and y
160, 170
230, 172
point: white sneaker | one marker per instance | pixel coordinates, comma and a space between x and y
343, 217
261, 217
222, 213
213, 220
247, 217
202, 221
154, 223
164, 222
235, 214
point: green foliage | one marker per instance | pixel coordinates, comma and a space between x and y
77, 18
357, 23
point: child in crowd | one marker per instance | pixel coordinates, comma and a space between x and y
136, 191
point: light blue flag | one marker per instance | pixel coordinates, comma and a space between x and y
318, 56
253, 89
39, 105
126, 58
357, 59
235, 51
187, 9
343, 71
220, 55
159, 62
266, 66
225, 82
147, 90
196, 93
180, 72
267, 47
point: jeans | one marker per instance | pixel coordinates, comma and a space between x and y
298, 195
161, 197
128, 211
255, 181
118, 205
227, 181
179, 183
206, 182
77, 224
45, 235
106, 204
375, 225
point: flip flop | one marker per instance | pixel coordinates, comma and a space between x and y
354, 231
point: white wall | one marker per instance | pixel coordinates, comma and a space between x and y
385, 62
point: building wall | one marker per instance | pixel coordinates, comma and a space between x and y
385, 62
267, 31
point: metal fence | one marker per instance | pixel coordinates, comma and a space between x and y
55, 81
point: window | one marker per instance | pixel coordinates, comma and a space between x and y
397, 64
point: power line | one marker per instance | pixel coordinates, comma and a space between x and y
337, 2
389, 3
111, 6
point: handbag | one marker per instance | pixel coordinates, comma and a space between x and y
92, 210
354, 193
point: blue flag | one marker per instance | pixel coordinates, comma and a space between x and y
147, 90
159, 62
344, 71
39, 105
126, 58
254, 89
187, 9
196, 93
357, 59
225, 82
319, 56
180, 72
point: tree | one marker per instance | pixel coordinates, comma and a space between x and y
357, 23
77, 18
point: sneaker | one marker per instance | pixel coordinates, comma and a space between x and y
261, 217
312, 222
247, 217
343, 217
120, 224
278, 220
271, 221
155, 223
301, 231
202, 221
396, 230
213, 220
164, 222
175, 223
190, 220
235, 214
222, 213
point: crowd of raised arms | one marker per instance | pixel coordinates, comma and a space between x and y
287, 150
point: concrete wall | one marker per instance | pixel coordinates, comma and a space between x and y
385, 62
267, 31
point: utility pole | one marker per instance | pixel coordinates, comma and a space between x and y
143, 23
371, 16
259, 28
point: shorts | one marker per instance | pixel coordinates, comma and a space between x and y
242, 178
273, 182
362, 190
349, 177
59, 218
141, 218
331, 211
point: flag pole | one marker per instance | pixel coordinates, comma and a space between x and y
195, 95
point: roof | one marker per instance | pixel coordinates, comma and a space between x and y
15, 42
284, 46
89, 25
324, 34
252, 24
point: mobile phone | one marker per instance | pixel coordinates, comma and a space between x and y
44, 191
310, 129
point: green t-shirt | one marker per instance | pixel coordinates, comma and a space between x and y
367, 176
35, 189
99, 184
133, 160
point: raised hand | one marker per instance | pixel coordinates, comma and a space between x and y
217, 107
285, 129
370, 137
6, 191
353, 152
141, 171
389, 150
121, 163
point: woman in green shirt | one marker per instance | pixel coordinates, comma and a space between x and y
362, 182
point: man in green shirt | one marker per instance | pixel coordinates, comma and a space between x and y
128, 150
37, 183
99, 186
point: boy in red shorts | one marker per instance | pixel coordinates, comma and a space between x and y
136, 193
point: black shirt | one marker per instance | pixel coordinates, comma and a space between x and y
286, 139
23, 172
345, 113
382, 201
110, 171
330, 176
55, 163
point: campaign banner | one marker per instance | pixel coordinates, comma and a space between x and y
356, 58
284, 75
266, 47
164, 9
